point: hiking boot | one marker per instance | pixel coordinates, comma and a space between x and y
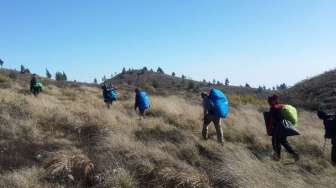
296, 157
276, 157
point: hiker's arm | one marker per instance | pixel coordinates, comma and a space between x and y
205, 109
31, 85
136, 102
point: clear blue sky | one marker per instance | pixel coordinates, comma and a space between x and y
262, 42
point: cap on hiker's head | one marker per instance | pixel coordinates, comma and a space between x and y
273, 99
203, 94
136, 90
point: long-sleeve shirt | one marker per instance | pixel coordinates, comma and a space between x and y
136, 104
275, 117
208, 106
33, 83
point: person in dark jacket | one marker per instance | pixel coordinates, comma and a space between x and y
329, 121
106, 94
279, 137
209, 117
34, 89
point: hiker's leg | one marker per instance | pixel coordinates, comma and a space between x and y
285, 144
276, 146
142, 112
333, 151
289, 148
206, 122
219, 129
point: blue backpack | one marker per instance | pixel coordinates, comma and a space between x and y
143, 100
220, 102
112, 95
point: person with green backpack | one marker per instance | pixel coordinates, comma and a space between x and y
280, 123
35, 85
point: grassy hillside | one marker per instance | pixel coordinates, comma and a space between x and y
316, 93
166, 84
67, 128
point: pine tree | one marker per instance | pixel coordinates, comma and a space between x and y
65, 78
104, 78
22, 69
159, 70
1, 62
48, 74
59, 76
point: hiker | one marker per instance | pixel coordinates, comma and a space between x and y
211, 114
329, 121
110, 95
35, 85
278, 129
141, 101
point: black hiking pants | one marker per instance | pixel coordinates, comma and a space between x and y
35, 91
278, 141
333, 150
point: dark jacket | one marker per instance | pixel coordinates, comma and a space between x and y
275, 120
33, 83
208, 106
136, 104
330, 127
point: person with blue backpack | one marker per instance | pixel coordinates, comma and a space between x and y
110, 95
215, 107
142, 101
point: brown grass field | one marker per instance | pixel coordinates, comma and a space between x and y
68, 138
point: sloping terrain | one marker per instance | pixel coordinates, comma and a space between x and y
316, 93
161, 83
69, 123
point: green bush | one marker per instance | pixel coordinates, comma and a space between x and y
12, 76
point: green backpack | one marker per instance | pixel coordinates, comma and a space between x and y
39, 85
289, 112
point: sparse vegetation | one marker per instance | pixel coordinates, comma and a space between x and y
70, 128
5, 81
315, 93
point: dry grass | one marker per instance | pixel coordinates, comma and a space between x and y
70, 129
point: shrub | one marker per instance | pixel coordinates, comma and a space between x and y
12, 76
5, 82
